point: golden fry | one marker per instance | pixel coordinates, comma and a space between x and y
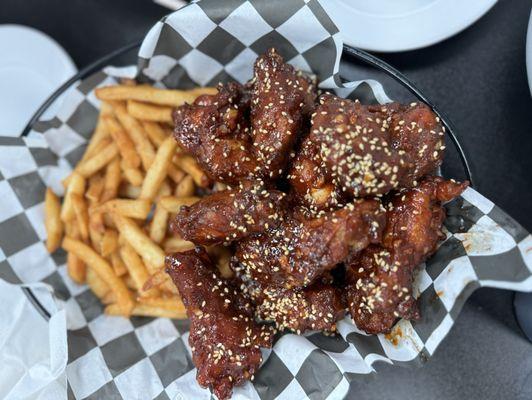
102, 268
185, 188
173, 204
175, 244
97, 284
101, 132
175, 173
157, 172
169, 303
155, 132
126, 147
150, 94
150, 252
159, 222
132, 175
138, 209
52, 221
143, 310
149, 112
76, 269
76, 185
129, 191
82, 215
136, 269
112, 180
191, 167
118, 265
109, 244
98, 160
95, 188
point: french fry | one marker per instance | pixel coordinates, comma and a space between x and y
125, 145
96, 229
95, 188
150, 252
191, 167
142, 310
52, 221
132, 175
157, 172
175, 173
98, 161
175, 244
76, 185
118, 265
173, 204
97, 137
102, 268
185, 188
129, 191
111, 180
158, 225
109, 298
97, 284
76, 268
82, 215
109, 244
155, 132
136, 133
128, 280
169, 303
137, 270
149, 112
150, 94
138, 209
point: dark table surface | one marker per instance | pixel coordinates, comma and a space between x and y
478, 78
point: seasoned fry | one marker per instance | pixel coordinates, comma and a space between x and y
126, 147
159, 222
82, 215
76, 268
132, 175
136, 133
138, 209
76, 185
112, 180
137, 270
97, 284
176, 244
149, 112
191, 167
95, 188
98, 160
173, 204
52, 221
185, 188
155, 132
129, 191
150, 252
150, 94
109, 244
102, 268
118, 265
96, 230
157, 172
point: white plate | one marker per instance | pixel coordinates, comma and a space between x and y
32, 66
399, 25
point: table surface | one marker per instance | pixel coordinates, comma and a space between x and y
478, 78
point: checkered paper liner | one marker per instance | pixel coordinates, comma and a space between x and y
143, 358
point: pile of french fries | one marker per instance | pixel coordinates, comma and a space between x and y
119, 199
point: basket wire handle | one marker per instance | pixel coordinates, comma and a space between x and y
351, 51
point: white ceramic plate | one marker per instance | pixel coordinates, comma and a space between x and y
399, 25
32, 66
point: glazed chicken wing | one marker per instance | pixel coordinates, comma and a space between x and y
355, 150
299, 250
224, 337
230, 215
248, 132
380, 277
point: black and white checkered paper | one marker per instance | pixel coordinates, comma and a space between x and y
143, 358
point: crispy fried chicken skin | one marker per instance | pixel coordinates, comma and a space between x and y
354, 150
248, 132
224, 337
380, 277
299, 250
230, 215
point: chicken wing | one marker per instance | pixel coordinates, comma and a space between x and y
224, 338
380, 277
355, 150
230, 215
299, 250
248, 132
